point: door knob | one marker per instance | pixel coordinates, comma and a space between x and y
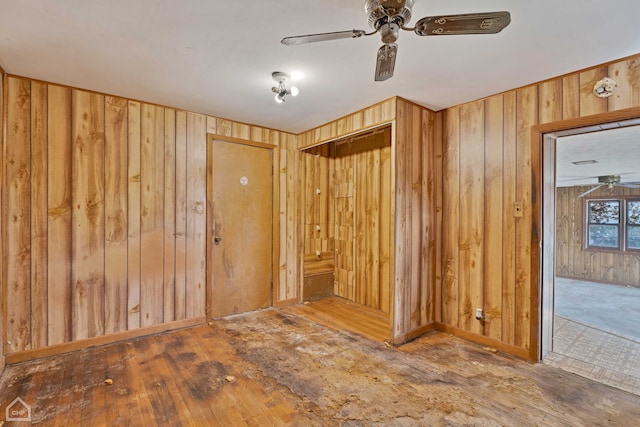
217, 240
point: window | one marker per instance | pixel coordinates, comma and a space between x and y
633, 224
613, 224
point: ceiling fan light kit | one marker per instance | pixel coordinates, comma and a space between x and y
388, 17
281, 89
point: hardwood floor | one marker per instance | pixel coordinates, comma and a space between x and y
344, 315
276, 367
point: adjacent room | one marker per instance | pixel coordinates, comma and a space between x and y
597, 269
251, 213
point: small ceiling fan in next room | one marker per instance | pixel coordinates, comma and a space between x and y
388, 17
610, 181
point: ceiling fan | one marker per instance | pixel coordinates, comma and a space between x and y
610, 181
388, 17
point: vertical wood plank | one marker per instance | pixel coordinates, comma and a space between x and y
550, 101
18, 216
562, 232
471, 214
428, 214
297, 215
291, 246
402, 268
169, 213
181, 217
196, 215
493, 211
59, 221
374, 226
284, 232
241, 131
509, 174
212, 125
88, 214
133, 235
571, 96
151, 215
360, 241
439, 216
414, 150
39, 236
386, 230
451, 217
276, 223
115, 192
527, 114
2, 221
589, 102
224, 127
627, 75
309, 197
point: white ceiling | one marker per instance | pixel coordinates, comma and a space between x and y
216, 57
616, 151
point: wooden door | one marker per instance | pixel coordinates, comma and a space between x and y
241, 228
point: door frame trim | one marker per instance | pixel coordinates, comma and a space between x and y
275, 210
543, 238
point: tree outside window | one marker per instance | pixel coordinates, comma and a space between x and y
604, 224
613, 224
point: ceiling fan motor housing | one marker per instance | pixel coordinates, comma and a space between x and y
609, 179
380, 12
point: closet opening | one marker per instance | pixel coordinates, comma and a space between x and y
348, 232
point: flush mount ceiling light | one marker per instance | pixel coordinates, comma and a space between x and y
605, 87
584, 162
281, 90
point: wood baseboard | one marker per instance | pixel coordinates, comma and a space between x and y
285, 302
520, 352
401, 339
54, 350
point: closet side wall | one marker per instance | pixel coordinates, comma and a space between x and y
416, 221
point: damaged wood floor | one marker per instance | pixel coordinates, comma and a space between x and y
272, 368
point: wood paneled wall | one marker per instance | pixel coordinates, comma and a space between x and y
363, 219
2, 299
291, 241
104, 213
487, 168
319, 246
574, 262
105, 221
367, 118
417, 168
83, 208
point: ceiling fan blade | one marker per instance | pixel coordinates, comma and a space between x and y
386, 61
312, 38
591, 190
468, 23
629, 184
